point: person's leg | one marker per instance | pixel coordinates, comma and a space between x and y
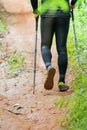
47, 32
46, 39
62, 28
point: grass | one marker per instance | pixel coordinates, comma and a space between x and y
3, 26
76, 115
15, 63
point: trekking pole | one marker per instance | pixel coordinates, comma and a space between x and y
75, 38
35, 54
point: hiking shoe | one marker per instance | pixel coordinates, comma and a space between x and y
62, 87
50, 78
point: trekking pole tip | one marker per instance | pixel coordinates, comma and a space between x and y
34, 88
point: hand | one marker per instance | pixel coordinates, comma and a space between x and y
72, 6
36, 15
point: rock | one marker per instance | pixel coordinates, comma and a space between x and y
10, 121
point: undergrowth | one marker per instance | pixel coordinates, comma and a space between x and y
3, 26
76, 115
15, 63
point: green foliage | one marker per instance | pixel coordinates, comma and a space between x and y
3, 29
76, 115
15, 63
0, 44
82, 3
78, 110
3, 26
81, 31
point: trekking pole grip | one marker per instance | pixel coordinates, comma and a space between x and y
37, 22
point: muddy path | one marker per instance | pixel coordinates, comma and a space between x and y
20, 109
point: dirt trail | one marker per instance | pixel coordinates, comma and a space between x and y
19, 108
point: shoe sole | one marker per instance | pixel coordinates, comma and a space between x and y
50, 79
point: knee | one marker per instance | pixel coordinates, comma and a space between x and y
44, 47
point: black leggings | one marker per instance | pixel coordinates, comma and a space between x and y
59, 27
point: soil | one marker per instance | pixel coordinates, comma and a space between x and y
20, 109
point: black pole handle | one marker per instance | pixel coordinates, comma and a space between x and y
37, 23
